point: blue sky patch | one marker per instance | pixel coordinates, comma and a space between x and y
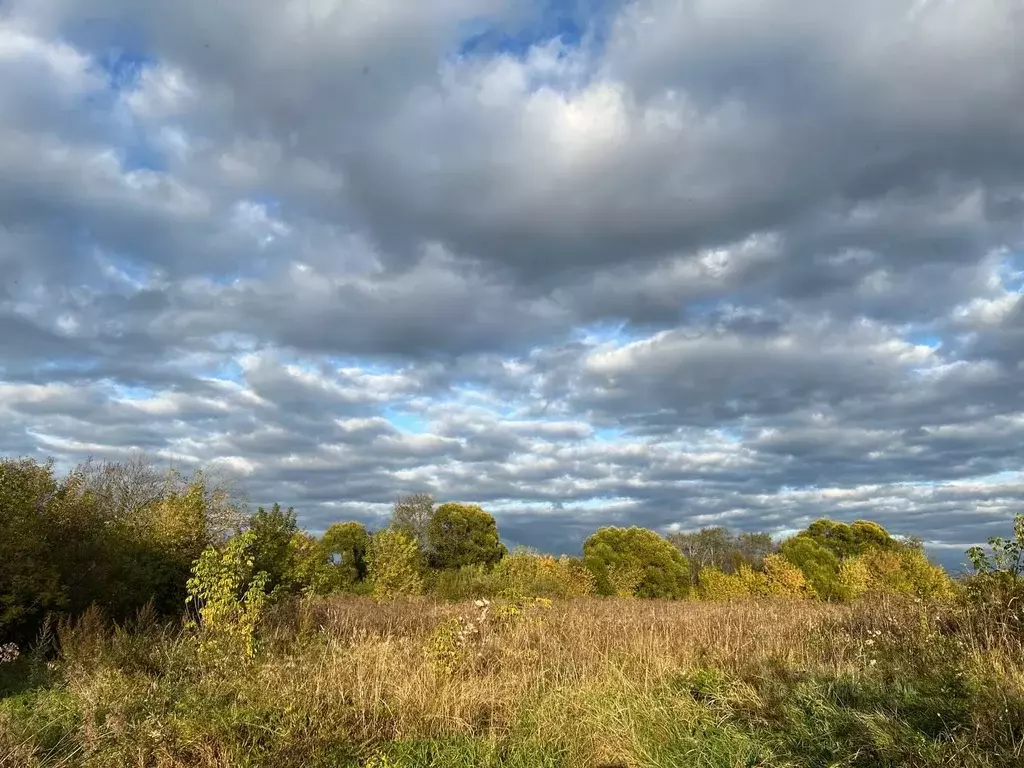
569, 20
609, 434
127, 392
405, 421
1012, 272
924, 339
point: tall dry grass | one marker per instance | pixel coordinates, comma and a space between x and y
582, 682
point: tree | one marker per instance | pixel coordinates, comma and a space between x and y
819, 565
412, 514
311, 570
123, 488
706, 548
272, 531
30, 579
393, 564
850, 540
1007, 558
719, 548
611, 553
463, 534
347, 544
754, 548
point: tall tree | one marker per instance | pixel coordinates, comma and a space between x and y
273, 530
347, 544
412, 514
463, 534
719, 548
660, 569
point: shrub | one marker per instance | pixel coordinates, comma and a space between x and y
854, 578
819, 565
230, 597
525, 572
636, 560
393, 563
1007, 558
716, 586
463, 583
347, 543
783, 579
907, 573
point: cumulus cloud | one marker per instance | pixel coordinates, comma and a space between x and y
673, 263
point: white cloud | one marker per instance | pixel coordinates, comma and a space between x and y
731, 262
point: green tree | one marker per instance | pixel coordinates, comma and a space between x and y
347, 543
107, 534
311, 570
819, 565
30, 579
229, 597
393, 564
463, 534
661, 568
272, 531
850, 540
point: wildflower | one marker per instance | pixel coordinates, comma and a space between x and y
8, 652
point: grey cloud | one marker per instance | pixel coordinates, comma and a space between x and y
768, 198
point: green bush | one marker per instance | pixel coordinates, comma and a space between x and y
636, 559
393, 564
347, 543
229, 596
820, 565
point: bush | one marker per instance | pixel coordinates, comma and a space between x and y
907, 573
393, 564
528, 573
469, 581
636, 561
819, 565
347, 544
716, 586
783, 579
117, 537
230, 598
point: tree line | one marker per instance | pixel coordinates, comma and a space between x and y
122, 536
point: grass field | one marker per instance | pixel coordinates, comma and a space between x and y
603, 682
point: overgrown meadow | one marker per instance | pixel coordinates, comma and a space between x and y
148, 620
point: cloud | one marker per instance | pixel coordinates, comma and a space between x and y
656, 262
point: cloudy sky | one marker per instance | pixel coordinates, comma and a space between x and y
672, 263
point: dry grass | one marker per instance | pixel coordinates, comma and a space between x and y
581, 683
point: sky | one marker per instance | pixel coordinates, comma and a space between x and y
670, 263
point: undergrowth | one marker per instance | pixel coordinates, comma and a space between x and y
354, 682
